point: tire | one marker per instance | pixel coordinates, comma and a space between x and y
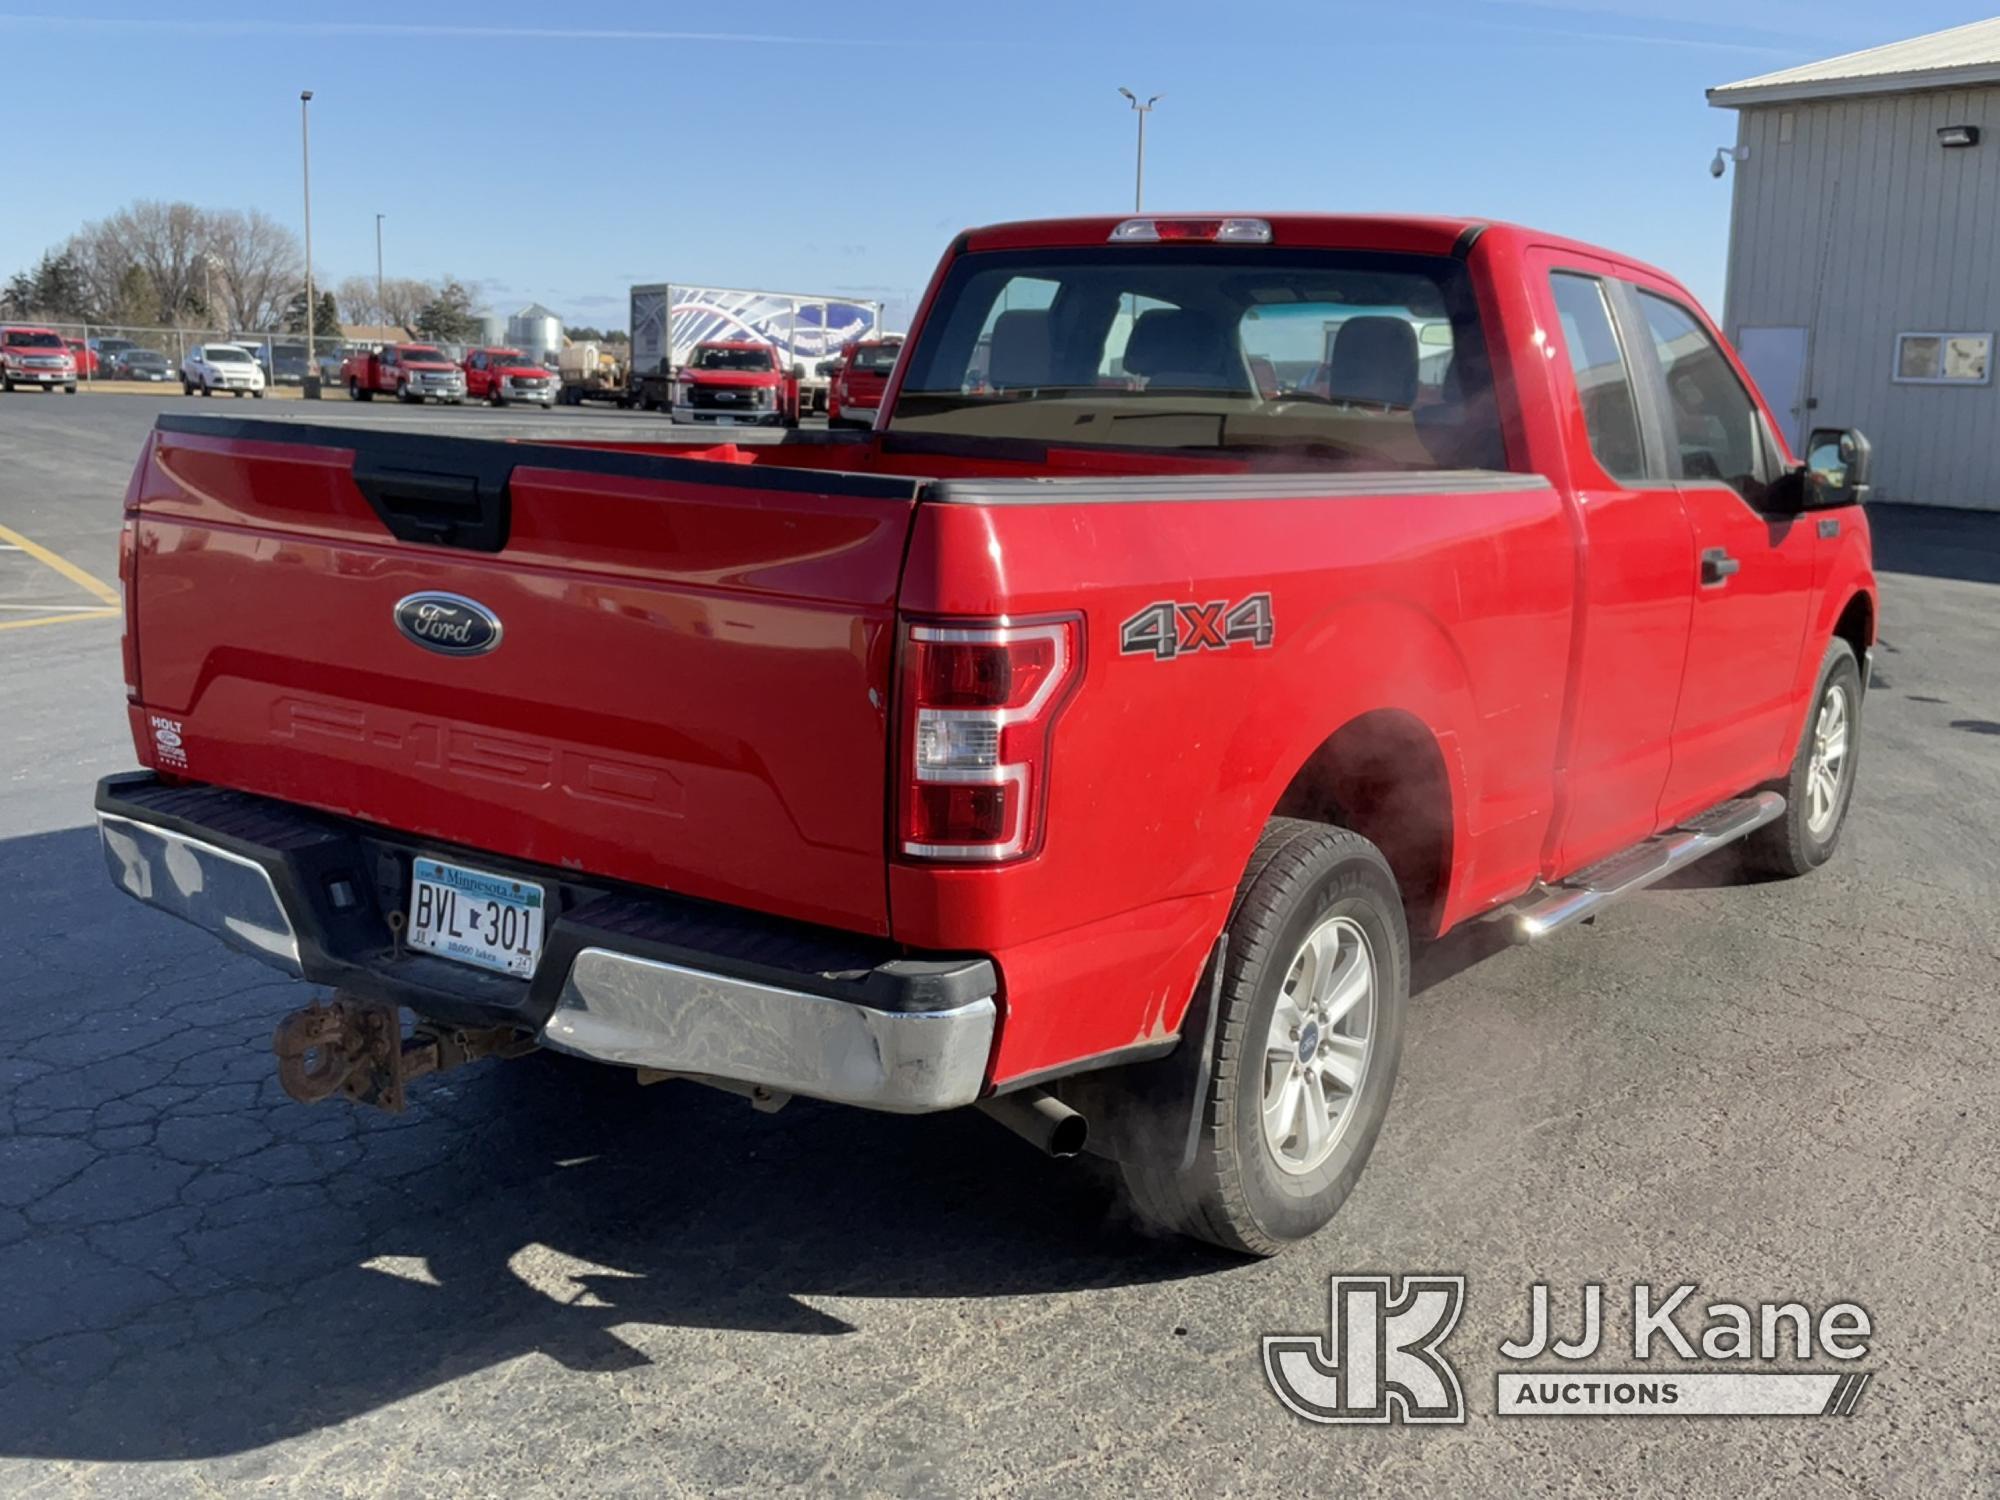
1808, 833
493, 396
1313, 896
69, 390
206, 391
187, 386
257, 395
6, 386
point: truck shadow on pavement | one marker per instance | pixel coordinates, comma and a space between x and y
193, 1265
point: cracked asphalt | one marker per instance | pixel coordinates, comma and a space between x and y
544, 1279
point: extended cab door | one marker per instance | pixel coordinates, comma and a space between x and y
1635, 584
1753, 576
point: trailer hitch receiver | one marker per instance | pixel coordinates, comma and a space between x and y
356, 1048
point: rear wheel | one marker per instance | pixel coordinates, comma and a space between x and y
1821, 782
1314, 987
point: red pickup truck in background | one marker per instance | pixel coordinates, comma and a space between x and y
35, 357
409, 372
497, 376
730, 381
854, 393
1219, 607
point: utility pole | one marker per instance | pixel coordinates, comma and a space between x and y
1139, 176
381, 302
309, 386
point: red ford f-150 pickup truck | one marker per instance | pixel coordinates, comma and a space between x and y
736, 380
409, 372
854, 394
1220, 606
497, 376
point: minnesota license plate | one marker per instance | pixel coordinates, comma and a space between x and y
489, 921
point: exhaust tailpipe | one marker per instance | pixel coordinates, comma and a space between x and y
1041, 1119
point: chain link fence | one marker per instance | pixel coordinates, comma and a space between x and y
113, 352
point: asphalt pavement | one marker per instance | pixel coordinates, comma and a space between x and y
546, 1279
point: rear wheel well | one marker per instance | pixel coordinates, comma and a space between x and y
1383, 776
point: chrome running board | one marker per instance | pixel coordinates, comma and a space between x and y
1590, 890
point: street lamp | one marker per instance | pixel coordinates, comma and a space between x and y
380, 301
1139, 178
309, 385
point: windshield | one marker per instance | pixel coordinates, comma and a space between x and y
225, 354
142, 357
732, 359
505, 357
877, 360
422, 355
20, 340
1363, 359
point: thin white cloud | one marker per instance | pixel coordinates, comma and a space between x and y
455, 32
1633, 38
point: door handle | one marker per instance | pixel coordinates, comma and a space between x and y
1716, 566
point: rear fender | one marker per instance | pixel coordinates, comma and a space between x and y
1366, 656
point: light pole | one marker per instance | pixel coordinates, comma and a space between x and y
381, 310
1139, 177
309, 384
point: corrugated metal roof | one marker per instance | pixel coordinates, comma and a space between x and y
1944, 59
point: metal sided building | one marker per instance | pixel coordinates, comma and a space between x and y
1864, 255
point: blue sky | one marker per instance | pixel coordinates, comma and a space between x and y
559, 154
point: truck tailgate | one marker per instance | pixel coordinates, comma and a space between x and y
684, 684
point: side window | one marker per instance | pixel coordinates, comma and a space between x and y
1715, 421
1603, 380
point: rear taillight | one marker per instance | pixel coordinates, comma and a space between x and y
128, 582
980, 703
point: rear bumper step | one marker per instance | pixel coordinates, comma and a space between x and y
641, 978
1590, 890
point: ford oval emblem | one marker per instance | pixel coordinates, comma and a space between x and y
448, 623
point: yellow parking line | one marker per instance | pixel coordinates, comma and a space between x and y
68, 569
93, 614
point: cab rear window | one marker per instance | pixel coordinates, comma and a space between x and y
1351, 358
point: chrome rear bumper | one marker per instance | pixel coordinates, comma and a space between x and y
622, 1009
887, 1032
217, 891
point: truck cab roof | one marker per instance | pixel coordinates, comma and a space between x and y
1417, 234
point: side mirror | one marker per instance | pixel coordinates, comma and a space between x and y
1836, 468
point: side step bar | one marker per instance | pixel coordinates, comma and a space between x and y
1590, 890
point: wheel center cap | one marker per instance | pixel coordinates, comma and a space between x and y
1309, 1041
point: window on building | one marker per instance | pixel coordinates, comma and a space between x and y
1944, 358
1603, 381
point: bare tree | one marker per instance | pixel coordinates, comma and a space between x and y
167, 240
403, 298
104, 267
358, 303
256, 264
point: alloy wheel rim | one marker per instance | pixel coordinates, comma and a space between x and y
1319, 1045
1826, 772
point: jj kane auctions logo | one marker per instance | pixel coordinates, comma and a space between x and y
1381, 1358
